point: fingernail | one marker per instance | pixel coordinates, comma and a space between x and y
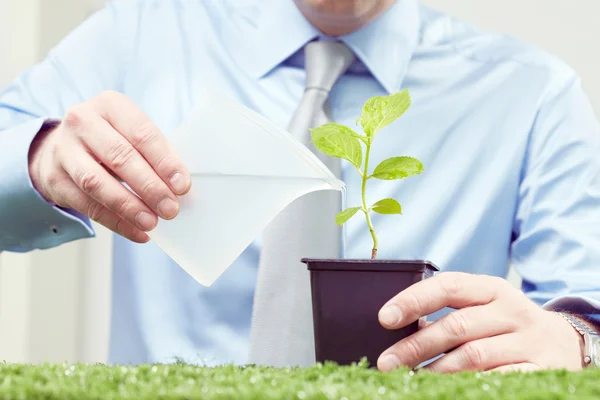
145, 221
388, 362
390, 315
168, 208
140, 237
178, 183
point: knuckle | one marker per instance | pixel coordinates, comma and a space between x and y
88, 181
501, 288
414, 303
55, 149
74, 117
120, 205
474, 355
108, 96
143, 134
413, 349
166, 163
524, 315
104, 102
455, 324
120, 155
122, 228
54, 178
450, 284
94, 210
151, 188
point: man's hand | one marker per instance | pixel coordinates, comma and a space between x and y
81, 163
494, 327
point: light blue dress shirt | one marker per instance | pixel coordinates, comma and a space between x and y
510, 145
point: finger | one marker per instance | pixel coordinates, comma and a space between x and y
521, 367
483, 354
424, 323
93, 180
118, 155
449, 289
450, 331
138, 129
69, 195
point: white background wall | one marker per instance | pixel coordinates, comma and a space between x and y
54, 305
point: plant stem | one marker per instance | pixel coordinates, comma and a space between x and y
365, 177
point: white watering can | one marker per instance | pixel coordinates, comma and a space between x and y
245, 170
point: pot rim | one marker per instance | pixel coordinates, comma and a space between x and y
367, 264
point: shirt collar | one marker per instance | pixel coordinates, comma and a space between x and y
387, 44
277, 29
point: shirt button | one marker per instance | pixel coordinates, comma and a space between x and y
54, 229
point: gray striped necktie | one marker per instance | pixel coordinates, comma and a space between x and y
282, 326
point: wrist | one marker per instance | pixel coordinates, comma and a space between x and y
35, 152
588, 335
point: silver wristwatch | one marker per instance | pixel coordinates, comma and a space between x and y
591, 340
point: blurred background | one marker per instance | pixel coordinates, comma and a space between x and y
55, 305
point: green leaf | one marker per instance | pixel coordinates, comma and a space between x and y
380, 111
387, 206
398, 168
345, 215
334, 141
337, 128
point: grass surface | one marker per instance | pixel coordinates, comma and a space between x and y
66, 381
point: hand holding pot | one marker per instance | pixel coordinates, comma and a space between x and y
80, 163
495, 327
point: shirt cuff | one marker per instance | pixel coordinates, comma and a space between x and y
27, 220
586, 306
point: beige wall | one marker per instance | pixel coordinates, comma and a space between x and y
54, 305
17, 17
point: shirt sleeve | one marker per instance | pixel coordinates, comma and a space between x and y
87, 62
557, 224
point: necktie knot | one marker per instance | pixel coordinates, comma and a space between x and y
325, 62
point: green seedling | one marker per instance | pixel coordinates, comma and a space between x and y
341, 141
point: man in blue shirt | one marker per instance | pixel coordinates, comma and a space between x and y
510, 144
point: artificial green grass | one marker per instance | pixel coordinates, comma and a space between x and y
178, 381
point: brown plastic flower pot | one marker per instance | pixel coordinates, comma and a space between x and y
347, 295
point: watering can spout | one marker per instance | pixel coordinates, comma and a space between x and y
245, 170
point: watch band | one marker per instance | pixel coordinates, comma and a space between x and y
578, 325
586, 332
